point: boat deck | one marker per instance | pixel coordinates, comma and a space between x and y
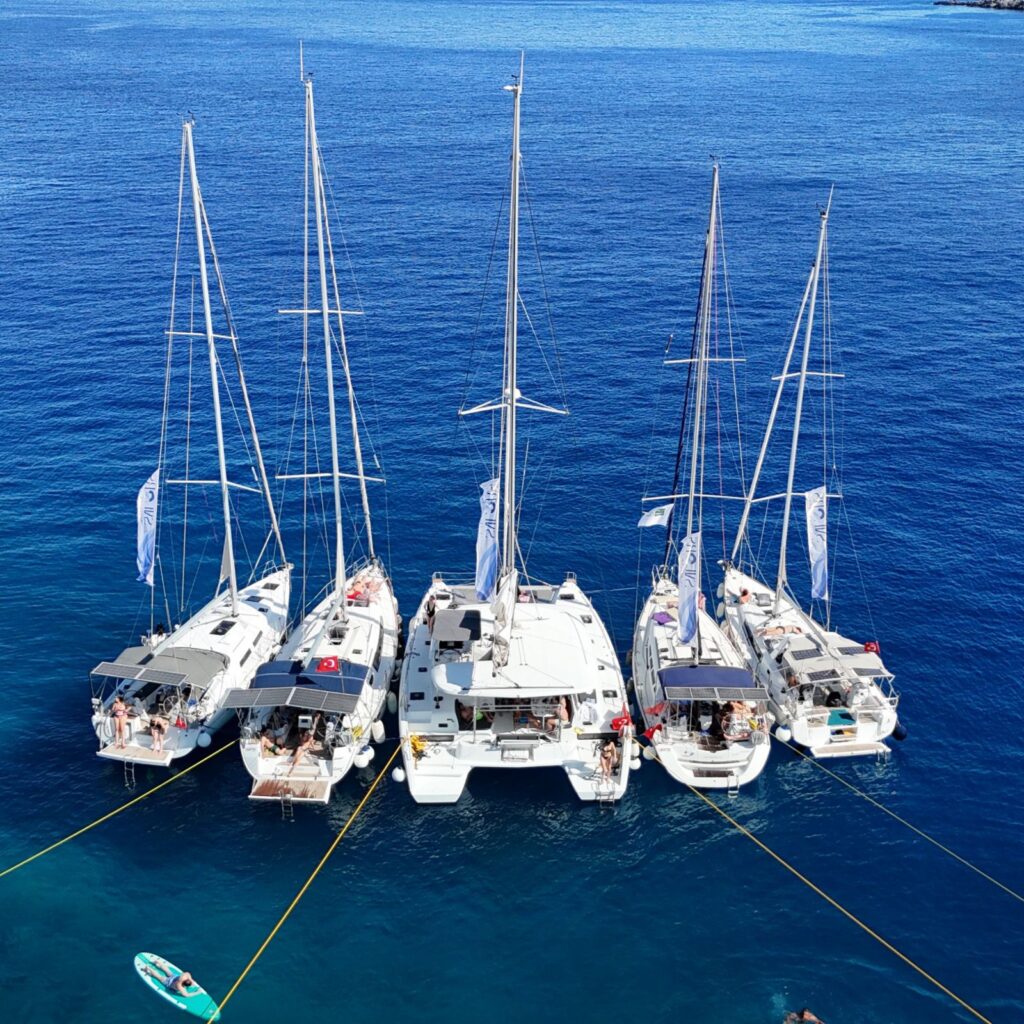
136, 754
308, 790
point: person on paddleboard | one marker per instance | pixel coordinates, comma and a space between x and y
176, 982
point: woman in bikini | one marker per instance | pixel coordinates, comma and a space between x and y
119, 712
609, 759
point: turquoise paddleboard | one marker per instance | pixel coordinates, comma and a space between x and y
155, 970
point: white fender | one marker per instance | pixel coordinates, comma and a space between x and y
649, 754
392, 705
204, 739
784, 733
377, 731
398, 775
634, 764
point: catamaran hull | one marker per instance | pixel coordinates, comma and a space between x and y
438, 756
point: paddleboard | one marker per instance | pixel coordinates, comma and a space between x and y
155, 970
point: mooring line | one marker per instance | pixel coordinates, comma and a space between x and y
116, 811
903, 821
309, 881
834, 903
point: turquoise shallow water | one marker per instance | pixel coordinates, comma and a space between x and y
518, 903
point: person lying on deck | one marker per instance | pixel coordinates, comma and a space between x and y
269, 744
778, 630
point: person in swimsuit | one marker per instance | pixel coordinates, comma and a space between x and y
157, 730
803, 1015
269, 745
609, 759
176, 982
561, 714
305, 745
119, 712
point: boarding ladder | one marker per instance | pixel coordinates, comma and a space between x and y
129, 774
287, 807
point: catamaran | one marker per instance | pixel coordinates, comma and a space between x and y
504, 672
311, 712
705, 716
832, 695
159, 700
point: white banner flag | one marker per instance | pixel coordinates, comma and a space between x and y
487, 542
658, 516
689, 587
817, 541
145, 527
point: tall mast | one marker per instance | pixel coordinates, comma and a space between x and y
700, 391
197, 203
510, 394
755, 479
353, 414
801, 387
325, 313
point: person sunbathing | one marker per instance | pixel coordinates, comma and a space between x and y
269, 744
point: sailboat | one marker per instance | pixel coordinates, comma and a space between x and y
311, 713
159, 700
832, 695
704, 714
503, 672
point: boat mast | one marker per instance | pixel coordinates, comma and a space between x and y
229, 551
695, 503
801, 387
510, 393
357, 445
749, 503
325, 313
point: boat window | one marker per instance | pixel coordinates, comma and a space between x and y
222, 627
587, 618
418, 695
271, 586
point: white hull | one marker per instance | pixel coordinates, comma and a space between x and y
686, 752
835, 698
371, 638
439, 755
253, 638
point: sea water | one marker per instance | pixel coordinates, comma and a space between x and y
519, 903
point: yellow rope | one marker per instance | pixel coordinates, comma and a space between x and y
123, 807
309, 881
838, 906
903, 821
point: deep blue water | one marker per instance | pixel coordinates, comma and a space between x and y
518, 903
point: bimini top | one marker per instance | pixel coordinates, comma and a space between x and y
457, 625
327, 684
709, 682
177, 666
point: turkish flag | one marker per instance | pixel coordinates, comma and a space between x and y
871, 647
328, 664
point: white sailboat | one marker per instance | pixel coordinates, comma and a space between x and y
704, 714
504, 673
159, 700
833, 695
310, 714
